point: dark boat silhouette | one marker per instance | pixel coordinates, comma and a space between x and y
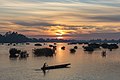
37, 44
55, 66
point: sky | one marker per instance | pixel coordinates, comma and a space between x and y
83, 19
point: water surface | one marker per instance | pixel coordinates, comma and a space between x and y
84, 65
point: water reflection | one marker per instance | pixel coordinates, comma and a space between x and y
88, 52
46, 71
13, 58
103, 54
84, 66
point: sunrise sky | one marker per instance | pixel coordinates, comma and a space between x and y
62, 18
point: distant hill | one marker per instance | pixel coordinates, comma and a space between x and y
14, 37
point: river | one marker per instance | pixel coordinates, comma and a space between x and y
84, 65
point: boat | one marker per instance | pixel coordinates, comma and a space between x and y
55, 66
37, 44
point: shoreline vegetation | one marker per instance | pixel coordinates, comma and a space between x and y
14, 37
50, 49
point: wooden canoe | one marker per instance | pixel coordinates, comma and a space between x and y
55, 66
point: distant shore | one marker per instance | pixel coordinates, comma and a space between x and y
14, 37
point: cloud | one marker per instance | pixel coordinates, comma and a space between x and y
106, 18
33, 23
69, 17
61, 12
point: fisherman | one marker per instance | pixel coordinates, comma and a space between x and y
45, 64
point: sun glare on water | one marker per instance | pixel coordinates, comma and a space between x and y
60, 37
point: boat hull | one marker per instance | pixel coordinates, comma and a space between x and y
55, 67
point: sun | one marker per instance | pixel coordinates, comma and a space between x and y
59, 34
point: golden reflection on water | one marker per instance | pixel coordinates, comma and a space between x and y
84, 65
60, 57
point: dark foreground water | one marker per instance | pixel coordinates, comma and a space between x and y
84, 66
